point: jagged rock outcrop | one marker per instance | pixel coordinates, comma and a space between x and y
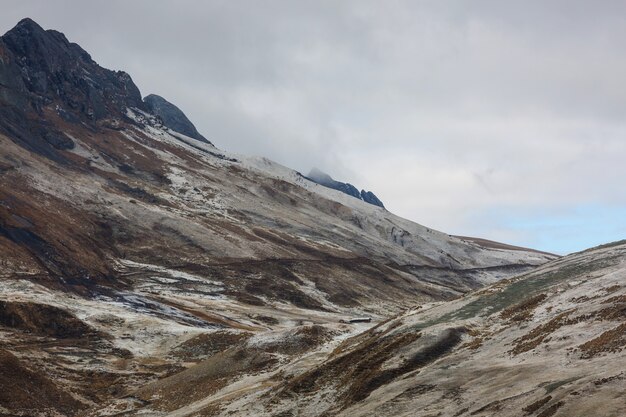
172, 117
370, 197
44, 76
326, 180
54, 70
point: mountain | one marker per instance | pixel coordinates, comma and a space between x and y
137, 259
43, 73
326, 180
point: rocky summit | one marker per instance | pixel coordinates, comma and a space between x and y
41, 67
172, 117
145, 272
326, 180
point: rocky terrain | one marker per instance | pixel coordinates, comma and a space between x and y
172, 117
143, 271
326, 180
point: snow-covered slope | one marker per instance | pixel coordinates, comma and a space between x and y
418, 244
551, 342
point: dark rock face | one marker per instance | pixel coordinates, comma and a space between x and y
326, 180
53, 70
172, 117
370, 197
12, 88
41, 73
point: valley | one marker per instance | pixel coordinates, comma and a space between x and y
146, 272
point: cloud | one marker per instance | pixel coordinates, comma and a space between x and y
449, 111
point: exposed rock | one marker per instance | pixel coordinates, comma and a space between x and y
326, 180
172, 117
370, 197
41, 72
54, 70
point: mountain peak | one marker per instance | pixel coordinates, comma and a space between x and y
42, 72
320, 177
172, 117
28, 24
54, 70
29, 35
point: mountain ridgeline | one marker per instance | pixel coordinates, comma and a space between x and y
40, 71
172, 117
326, 180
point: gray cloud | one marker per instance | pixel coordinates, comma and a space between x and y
447, 110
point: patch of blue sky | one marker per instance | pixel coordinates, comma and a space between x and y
559, 231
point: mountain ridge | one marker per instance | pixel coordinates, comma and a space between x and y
172, 117
326, 180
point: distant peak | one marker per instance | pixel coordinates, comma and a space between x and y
320, 177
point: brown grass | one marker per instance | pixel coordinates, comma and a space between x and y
205, 378
359, 372
523, 311
529, 409
303, 339
536, 336
611, 341
550, 411
44, 319
617, 311
475, 343
612, 289
208, 344
29, 392
616, 299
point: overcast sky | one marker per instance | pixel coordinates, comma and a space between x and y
499, 119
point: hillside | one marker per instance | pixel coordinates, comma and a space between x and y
132, 253
551, 342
